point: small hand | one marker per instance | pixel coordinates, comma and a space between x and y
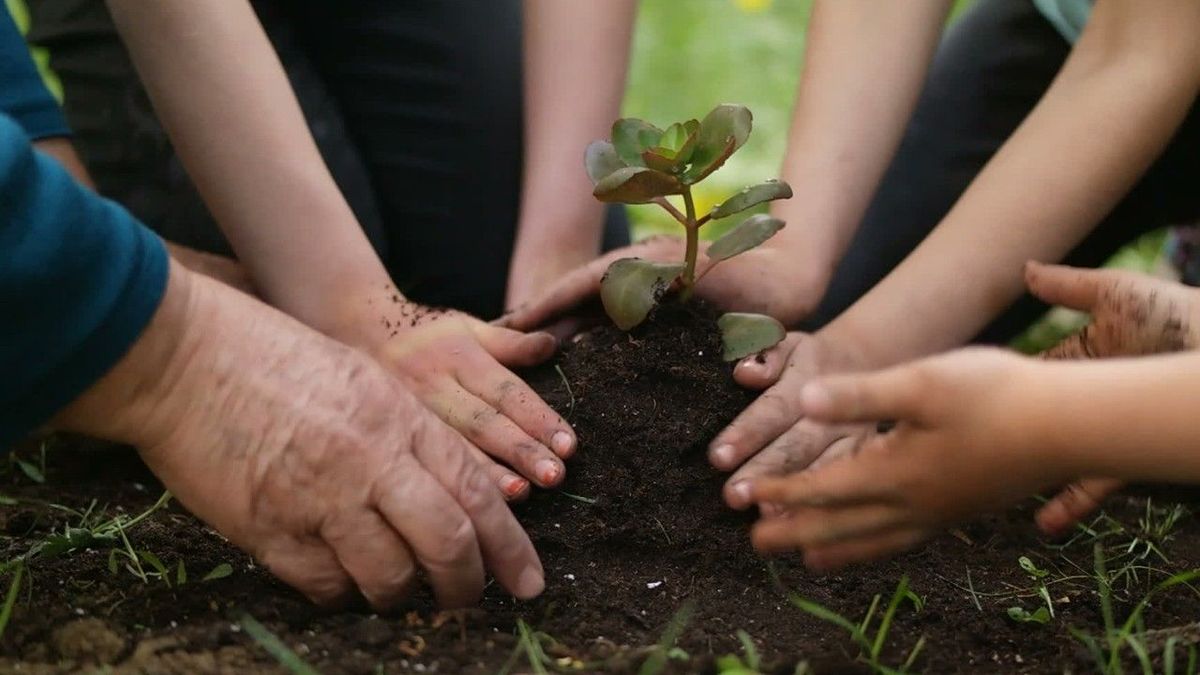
456, 365
772, 436
762, 280
1132, 315
954, 452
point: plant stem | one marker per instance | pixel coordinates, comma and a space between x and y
693, 244
670, 208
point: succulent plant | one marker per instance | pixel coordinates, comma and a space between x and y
643, 164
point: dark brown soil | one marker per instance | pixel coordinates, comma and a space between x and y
637, 532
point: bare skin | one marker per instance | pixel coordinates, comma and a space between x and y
305, 453
221, 93
968, 419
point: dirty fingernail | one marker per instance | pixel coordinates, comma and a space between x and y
722, 456
531, 583
547, 471
562, 443
512, 485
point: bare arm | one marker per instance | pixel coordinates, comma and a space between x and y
221, 93
1120, 96
864, 65
576, 59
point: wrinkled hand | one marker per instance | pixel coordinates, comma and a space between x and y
961, 446
306, 454
226, 270
762, 280
772, 435
456, 365
1131, 315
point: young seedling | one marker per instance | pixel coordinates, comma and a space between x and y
1042, 614
747, 664
871, 645
644, 164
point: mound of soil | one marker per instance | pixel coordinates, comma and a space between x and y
637, 532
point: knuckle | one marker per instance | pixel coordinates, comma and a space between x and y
454, 547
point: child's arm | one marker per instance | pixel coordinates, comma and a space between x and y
1120, 96
977, 430
223, 96
576, 57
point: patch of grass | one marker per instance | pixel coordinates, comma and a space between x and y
1107, 650
870, 644
10, 598
746, 664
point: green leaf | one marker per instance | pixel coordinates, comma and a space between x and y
1021, 615
152, 560
753, 196
180, 573
750, 233
721, 133
601, 159
112, 561
636, 185
219, 572
632, 287
31, 471
1030, 568
5, 500
660, 160
744, 334
631, 137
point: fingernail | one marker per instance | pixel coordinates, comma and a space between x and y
722, 456
547, 471
531, 583
741, 493
512, 485
816, 399
562, 443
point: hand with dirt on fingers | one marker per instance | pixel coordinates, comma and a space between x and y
305, 453
773, 436
765, 280
459, 367
1132, 314
964, 443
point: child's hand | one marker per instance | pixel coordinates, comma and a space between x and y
962, 445
1132, 315
459, 367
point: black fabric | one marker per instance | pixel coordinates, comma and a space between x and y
416, 107
991, 69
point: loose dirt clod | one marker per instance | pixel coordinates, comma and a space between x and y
88, 641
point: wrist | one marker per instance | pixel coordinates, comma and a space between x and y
130, 403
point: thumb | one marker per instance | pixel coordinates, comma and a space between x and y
1074, 503
892, 394
1067, 286
513, 348
764, 369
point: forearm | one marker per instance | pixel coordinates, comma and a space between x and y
1081, 149
222, 94
1133, 419
576, 58
864, 65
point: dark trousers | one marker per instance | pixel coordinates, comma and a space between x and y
991, 69
415, 106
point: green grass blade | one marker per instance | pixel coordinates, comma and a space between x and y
752, 659
10, 598
275, 647
657, 661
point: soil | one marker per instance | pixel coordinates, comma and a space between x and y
637, 533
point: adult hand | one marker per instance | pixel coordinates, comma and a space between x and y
1131, 315
765, 280
773, 435
305, 453
226, 270
962, 445
456, 365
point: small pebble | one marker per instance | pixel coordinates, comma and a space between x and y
654, 584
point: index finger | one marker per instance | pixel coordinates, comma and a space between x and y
1067, 286
892, 394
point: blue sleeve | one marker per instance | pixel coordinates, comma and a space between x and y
79, 280
23, 95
